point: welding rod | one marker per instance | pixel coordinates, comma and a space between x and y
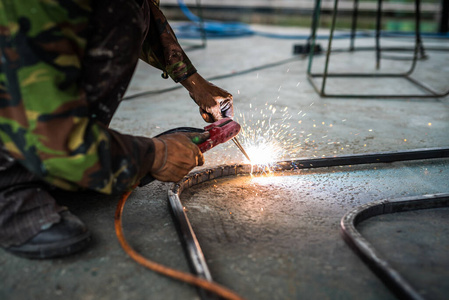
237, 143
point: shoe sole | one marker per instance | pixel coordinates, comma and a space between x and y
53, 250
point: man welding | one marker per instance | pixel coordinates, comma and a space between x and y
65, 65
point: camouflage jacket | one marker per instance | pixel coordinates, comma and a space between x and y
44, 116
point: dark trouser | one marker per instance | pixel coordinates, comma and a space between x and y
116, 32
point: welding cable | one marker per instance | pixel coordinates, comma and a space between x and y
161, 269
216, 29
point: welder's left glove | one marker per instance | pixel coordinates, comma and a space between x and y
214, 102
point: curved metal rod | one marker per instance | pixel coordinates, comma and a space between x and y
369, 254
193, 250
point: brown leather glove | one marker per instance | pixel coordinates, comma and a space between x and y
214, 102
176, 155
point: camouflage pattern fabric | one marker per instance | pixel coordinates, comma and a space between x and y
65, 65
159, 50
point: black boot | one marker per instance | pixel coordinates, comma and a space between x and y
32, 224
66, 237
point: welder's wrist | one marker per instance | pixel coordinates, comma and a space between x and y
192, 82
160, 155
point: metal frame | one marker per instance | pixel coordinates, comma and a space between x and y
369, 254
194, 253
418, 48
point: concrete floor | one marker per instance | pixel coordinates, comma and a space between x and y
291, 249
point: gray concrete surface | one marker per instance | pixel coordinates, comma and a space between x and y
291, 249
280, 235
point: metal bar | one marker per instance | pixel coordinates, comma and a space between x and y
193, 46
191, 245
444, 18
378, 29
421, 85
314, 85
418, 48
196, 257
355, 13
369, 158
193, 250
314, 25
329, 47
202, 28
418, 42
369, 75
369, 254
434, 94
411, 49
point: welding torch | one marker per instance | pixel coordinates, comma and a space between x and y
226, 111
220, 132
223, 130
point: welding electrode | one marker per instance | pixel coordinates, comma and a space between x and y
237, 143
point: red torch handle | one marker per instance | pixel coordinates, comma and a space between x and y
219, 132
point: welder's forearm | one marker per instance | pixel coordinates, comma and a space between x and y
192, 82
132, 157
81, 154
117, 163
162, 50
111, 163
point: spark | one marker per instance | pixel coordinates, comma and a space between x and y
269, 138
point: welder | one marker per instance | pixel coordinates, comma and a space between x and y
65, 65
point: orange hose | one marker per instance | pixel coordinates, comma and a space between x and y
181, 276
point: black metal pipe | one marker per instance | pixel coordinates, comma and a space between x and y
369, 254
329, 47
369, 158
355, 13
313, 28
378, 29
444, 19
418, 41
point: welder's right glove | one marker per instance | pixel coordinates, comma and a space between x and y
176, 155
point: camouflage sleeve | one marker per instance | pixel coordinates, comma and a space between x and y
161, 48
44, 116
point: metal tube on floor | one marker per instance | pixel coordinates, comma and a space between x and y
373, 258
